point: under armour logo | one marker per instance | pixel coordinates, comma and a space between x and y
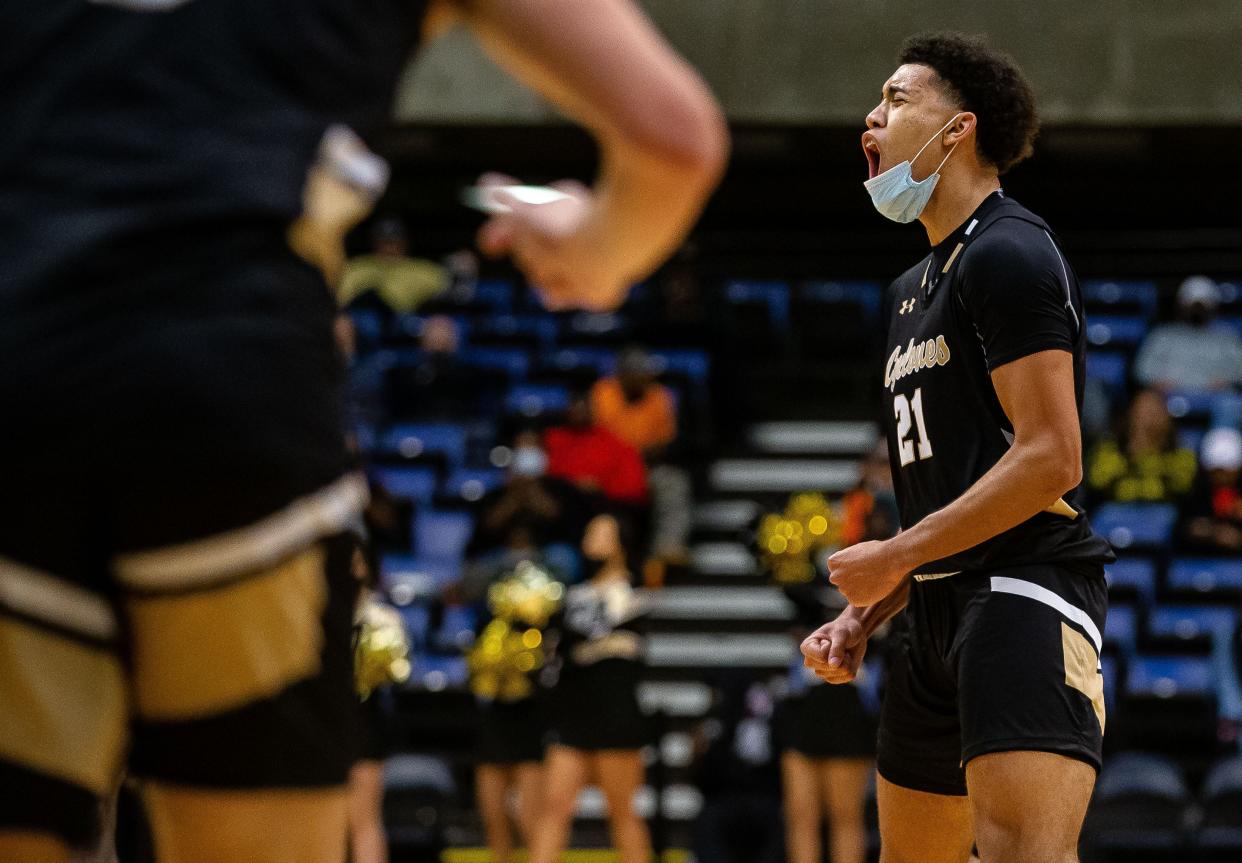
907, 306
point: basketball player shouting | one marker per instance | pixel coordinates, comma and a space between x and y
992, 726
176, 177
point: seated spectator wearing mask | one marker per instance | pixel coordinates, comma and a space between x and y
1195, 353
639, 410
547, 509
1214, 510
1143, 463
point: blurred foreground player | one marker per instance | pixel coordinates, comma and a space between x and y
175, 179
993, 719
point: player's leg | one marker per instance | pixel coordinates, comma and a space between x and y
528, 785
491, 790
1029, 806
921, 788
63, 707
800, 790
844, 786
620, 774
919, 827
1032, 708
246, 720
367, 841
566, 771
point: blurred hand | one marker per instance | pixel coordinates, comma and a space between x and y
835, 651
557, 246
867, 572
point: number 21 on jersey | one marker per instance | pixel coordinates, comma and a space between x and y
909, 412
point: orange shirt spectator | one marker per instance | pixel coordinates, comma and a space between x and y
647, 423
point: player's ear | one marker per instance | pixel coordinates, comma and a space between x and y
961, 128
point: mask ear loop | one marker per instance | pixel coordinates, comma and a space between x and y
928, 144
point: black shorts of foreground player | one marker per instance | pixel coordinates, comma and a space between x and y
176, 177
992, 726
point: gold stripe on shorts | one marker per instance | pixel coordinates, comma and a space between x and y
62, 706
1082, 669
203, 653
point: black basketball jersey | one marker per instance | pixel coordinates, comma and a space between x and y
127, 122
995, 290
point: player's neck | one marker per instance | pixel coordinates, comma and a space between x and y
956, 197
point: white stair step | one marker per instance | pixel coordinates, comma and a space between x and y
784, 475
829, 438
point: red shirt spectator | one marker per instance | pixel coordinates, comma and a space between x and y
595, 459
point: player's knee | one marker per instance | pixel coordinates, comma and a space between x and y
1001, 842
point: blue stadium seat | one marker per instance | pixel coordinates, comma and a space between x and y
1189, 622
695, 365
1110, 368
599, 361
457, 628
1139, 525
436, 672
1188, 403
1121, 628
866, 295
1190, 437
1115, 330
415, 440
1206, 575
1110, 671
1132, 575
417, 619
368, 328
533, 400
1170, 676
514, 362
1221, 828
540, 329
497, 293
470, 484
407, 579
442, 535
1139, 806
772, 294
1140, 296
413, 483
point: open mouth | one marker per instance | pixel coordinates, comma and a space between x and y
872, 150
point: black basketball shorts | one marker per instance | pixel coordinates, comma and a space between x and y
171, 601
993, 662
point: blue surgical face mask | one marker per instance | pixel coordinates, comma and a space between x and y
900, 197
529, 461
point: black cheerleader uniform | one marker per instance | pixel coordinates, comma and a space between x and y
511, 732
817, 719
598, 664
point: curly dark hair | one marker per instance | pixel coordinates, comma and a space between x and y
986, 82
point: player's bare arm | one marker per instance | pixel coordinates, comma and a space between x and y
1045, 461
662, 137
835, 651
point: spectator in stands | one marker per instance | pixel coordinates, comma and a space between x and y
870, 510
400, 282
598, 729
1214, 510
434, 385
595, 459
635, 407
545, 509
1142, 462
1194, 353
738, 773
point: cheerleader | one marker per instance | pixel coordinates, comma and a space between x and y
827, 739
597, 726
